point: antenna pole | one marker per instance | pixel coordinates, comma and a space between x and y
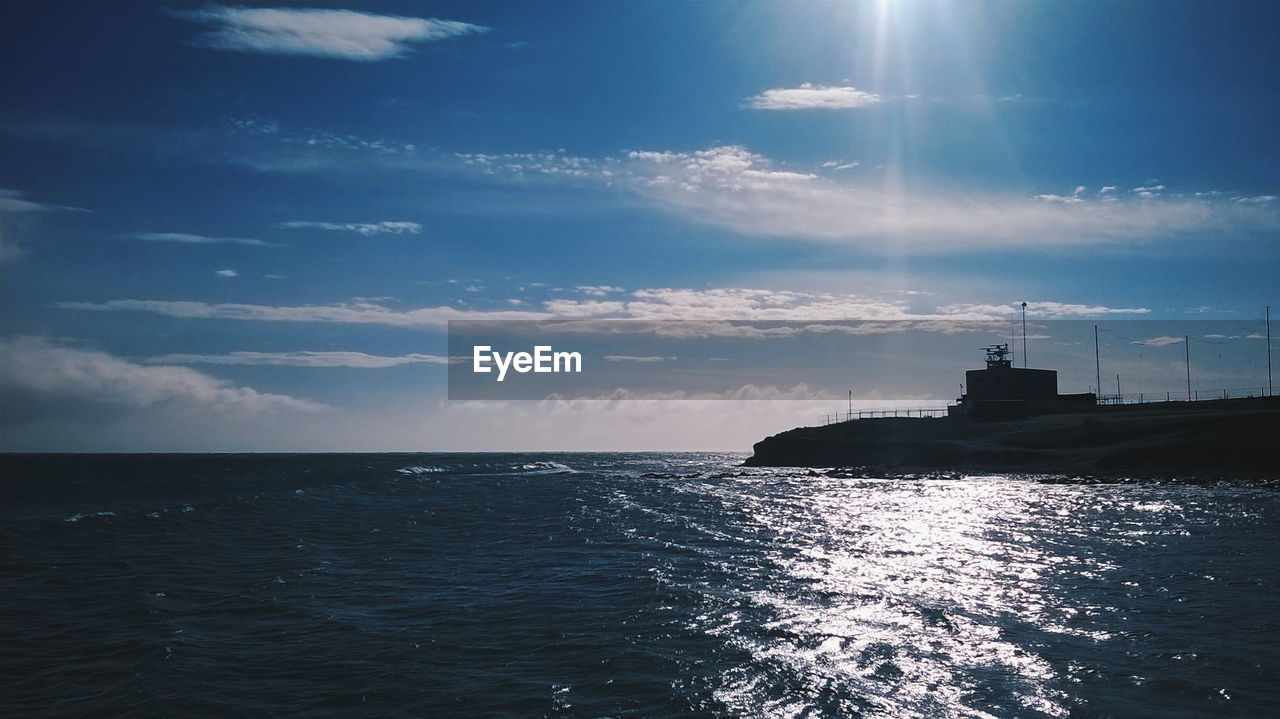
1097, 362
1186, 343
1270, 390
1024, 335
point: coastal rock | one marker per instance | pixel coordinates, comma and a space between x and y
1236, 436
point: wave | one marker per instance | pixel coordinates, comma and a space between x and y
545, 468
78, 516
420, 470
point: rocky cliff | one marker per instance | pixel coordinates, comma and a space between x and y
1233, 436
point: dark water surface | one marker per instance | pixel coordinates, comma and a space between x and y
507, 585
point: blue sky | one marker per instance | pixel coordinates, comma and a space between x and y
243, 227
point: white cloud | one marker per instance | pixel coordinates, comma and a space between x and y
535, 164
34, 367
301, 359
16, 201
1039, 310
385, 227
734, 188
337, 34
627, 421
745, 393
8, 249
353, 313
226, 273
1075, 196
1159, 341
599, 290
702, 309
707, 312
814, 97
733, 303
190, 239
635, 358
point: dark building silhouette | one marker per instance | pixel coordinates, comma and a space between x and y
1002, 390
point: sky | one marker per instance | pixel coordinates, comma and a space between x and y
246, 227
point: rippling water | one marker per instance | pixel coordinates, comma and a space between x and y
624, 585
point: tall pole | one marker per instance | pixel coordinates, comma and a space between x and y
1024, 335
1270, 390
1013, 331
1097, 363
1186, 342
850, 403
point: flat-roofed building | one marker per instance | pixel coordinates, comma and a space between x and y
1002, 390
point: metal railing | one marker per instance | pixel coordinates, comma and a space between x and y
1199, 395
850, 416
1106, 399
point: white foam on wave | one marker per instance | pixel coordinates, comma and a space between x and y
419, 470
546, 468
77, 516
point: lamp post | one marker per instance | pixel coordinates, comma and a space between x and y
1097, 362
1024, 335
1186, 343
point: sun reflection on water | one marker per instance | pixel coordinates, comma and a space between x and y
907, 598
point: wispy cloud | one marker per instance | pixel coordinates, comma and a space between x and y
638, 358
814, 97
731, 187
599, 290
385, 227
41, 371
651, 304
729, 303
15, 203
734, 188
837, 165
1159, 341
353, 313
226, 273
745, 393
1039, 310
190, 239
8, 249
336, 34
301, 359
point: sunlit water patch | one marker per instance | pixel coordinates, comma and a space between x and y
612, 585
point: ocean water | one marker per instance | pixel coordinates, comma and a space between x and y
624, 585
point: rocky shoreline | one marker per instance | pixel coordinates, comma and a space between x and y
1232, 437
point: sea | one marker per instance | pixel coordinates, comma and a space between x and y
625, 585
